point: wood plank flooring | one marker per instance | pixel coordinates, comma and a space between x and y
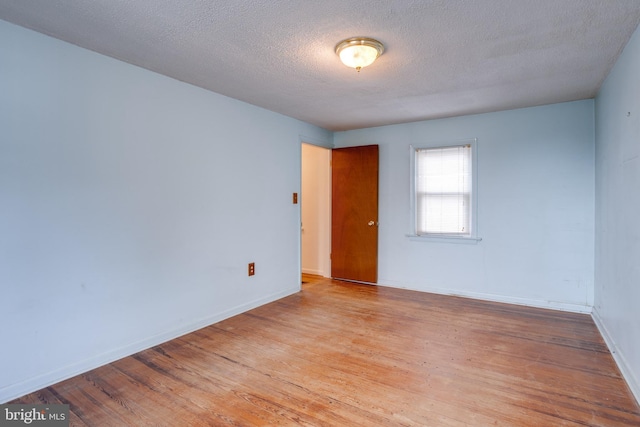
344, 354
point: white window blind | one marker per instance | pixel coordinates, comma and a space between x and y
443, 190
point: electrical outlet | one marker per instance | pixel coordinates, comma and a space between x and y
252, 268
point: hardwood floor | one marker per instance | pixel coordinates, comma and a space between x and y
343, 354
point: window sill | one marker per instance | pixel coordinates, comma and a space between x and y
441, 238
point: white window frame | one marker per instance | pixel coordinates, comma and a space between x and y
471, 237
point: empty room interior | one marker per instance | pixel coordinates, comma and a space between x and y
211, 214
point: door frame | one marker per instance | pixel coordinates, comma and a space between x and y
328, 146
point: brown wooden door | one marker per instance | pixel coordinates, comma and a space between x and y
354, 213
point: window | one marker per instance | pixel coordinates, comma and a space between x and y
443, 190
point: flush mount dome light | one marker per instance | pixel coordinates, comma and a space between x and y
358, 52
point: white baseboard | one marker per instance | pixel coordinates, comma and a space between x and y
30, 385
314, 272
618, 356
552, 305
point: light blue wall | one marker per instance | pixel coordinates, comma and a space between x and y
130, 205
617, 233
535, 207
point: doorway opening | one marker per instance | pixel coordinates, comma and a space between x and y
315, 211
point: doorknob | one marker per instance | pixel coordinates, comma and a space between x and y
370, 223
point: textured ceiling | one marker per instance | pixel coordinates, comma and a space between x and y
443, 57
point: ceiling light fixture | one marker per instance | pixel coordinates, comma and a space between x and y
358, 52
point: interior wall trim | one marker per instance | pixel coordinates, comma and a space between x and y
618, 356
529, 302
30, 385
